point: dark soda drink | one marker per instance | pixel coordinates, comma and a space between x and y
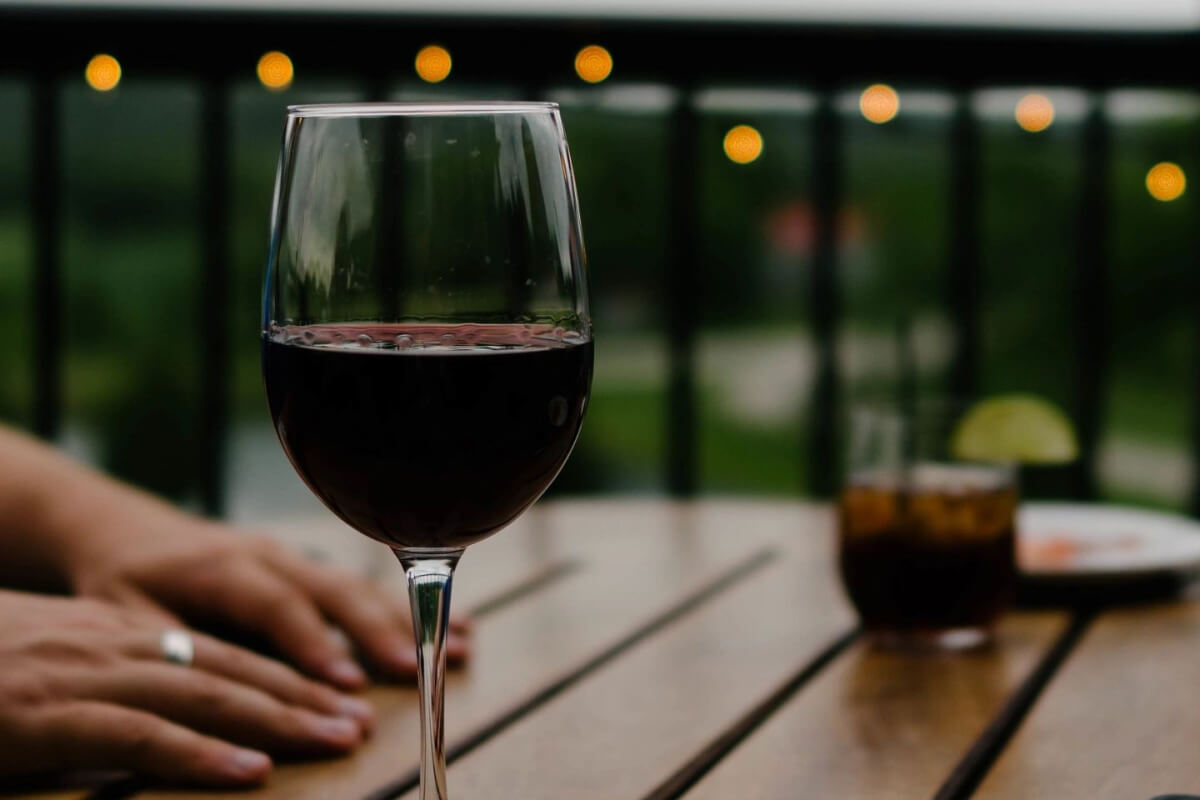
931, 552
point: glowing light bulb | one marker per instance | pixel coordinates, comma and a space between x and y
1165, 181
879, 103
433, 63
275, 71
743, 144
103, 72
1034, 113
593, 63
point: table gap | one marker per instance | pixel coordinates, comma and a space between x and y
970, 771
540, 579
699, 765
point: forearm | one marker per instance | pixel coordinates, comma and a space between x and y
55, 512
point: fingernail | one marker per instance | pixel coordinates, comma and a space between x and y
356, 709
339, 639
337, 730
404, 658
248, 765
346, 672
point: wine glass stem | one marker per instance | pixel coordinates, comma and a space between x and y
429, 580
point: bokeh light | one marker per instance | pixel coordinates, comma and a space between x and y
1166, 181
1034, 113
103, 72
433, 63
275, 71
743, 144
879, 103
593, 63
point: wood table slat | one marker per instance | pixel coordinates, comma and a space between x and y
637, 562
625, 729
880, 725
1119, 720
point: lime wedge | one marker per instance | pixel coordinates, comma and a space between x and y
1015, 427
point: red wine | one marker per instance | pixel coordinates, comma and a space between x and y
427, 436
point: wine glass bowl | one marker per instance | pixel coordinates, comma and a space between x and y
427, 348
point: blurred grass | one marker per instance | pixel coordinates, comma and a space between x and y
1156, 414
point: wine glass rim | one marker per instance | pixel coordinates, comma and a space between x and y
420, 109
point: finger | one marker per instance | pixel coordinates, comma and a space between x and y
458, 651
143, 609
261, 601
458, 637
358, 607
377, 622
92, 735
460, 621
273, 677
458, 634
221, 707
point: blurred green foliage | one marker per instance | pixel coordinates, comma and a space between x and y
134, 326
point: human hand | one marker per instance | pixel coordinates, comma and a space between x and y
163, 562
84, 685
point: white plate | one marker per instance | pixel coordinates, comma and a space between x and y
1077, 540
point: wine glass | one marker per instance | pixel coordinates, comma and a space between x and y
426, 342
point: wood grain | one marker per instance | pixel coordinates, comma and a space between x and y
636, 560
1120, 718
627, 727
879, 724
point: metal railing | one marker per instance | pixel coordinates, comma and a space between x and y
213, 49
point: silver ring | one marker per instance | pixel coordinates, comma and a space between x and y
178, 647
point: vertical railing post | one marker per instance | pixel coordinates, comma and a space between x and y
1091, 297
964, 272
214, 294
45, 181
389, 248
823, 466
1194, 500
679, 294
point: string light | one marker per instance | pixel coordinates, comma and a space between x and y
593, 63
743, 144
1165, 181
103, 72
879, 103
1034, 113
275, 71
433, 63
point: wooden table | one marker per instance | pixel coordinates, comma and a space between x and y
648, 650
